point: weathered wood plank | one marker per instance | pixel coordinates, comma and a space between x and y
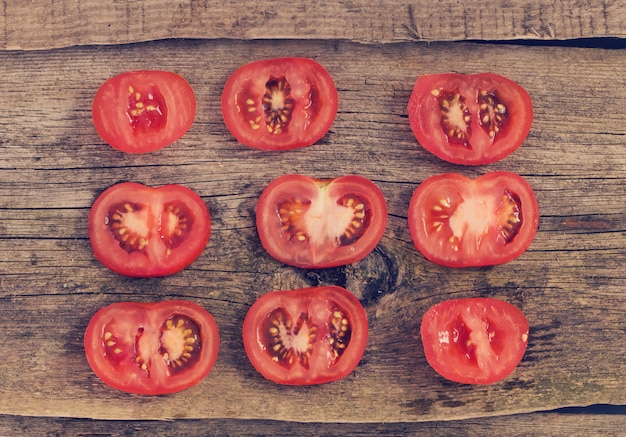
43, 24
570, 283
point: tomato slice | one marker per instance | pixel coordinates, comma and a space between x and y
306, 336
311, 223
278, 104
459, 222
143, 111
474, 340
469, 119
152, 348
141, 231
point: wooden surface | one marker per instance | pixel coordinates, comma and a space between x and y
570, 283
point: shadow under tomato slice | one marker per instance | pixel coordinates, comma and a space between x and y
456, 221
311, 223
152, 348
142, 231
306, 336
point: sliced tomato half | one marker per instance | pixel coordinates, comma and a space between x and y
311, 223
307, 336
459, 222
279, 104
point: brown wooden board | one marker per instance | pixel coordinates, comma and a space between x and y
43, 24
570, 283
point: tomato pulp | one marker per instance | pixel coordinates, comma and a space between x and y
152, 348
469, 119
278, 104
307, 336
142, 231
474, 340
311, 223
459, 222
143, 111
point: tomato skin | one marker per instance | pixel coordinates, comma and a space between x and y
474, 340
123, 336
168, 111
425, 116
320, 304
455, 221
309, 103
324, 222
173, 221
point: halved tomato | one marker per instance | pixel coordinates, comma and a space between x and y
279, 104
143, 111
474, 340
311, 223
141, 231
459, 222
152, 348
469, 119
307, 336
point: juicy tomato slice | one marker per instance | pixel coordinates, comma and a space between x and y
469, 119
142, 231
143, 111
474, 340
311, 223
278, 104
152, 348
306, 336
459, 222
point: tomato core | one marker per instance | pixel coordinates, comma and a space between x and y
146, 108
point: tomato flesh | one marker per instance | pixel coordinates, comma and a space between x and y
474, 340
141, 231
459, 222
279, 104
311, 223
469, 119
152, 348
307, 336
143, 111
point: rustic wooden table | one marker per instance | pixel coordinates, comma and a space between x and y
571, 283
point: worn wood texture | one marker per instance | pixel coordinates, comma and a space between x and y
544, 424
570, 283
42, 24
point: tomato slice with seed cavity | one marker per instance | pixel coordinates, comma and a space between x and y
474, 340
136, 230
143, 111
306, 336
152, 348
279, 104
469, 119
311, 223
459, 222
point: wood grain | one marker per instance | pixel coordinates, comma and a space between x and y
570, 283
44, 24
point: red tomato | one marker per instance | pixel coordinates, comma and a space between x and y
279, 104
141, 231
307, 336
459, 222
310, 223
142, 111
474, 340
469, 119
152, 348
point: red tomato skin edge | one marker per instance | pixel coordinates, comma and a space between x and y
533, 223
332, 103
112, 139
210, 357
358, 344
431, 81
431, 358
